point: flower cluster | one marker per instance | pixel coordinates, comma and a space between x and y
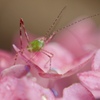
73, 72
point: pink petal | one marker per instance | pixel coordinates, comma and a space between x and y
78, 64
96, 61
23, 89
76, 92
60, 58
5, 59
90, 79
7, 88
70, 69
15, 70
36, 92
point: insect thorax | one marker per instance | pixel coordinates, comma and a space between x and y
35, 45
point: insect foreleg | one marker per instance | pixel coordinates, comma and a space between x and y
22, 26
16, 56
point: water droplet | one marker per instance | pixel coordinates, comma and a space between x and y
44, 97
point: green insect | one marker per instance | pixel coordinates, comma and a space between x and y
37, 44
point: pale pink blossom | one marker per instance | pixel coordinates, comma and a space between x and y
33, 77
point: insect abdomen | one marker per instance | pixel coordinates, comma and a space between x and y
35, 45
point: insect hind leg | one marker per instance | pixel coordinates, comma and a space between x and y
22, 27
50, 55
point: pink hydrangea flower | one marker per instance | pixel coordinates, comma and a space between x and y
12, 88
34, 78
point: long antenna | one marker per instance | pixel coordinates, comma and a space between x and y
78, 39
78, 21
55, 21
